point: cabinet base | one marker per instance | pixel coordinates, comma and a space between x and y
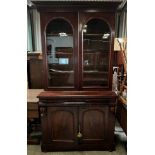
50, 148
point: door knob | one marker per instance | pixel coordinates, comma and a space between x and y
79, 136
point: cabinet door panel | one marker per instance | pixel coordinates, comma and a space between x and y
62, 124
97, 49
60, 49
93, 122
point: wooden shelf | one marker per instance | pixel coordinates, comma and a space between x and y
57, 35
99, 40
93, 34
63, 53
93, 65
95, 79
92, 50
95, 72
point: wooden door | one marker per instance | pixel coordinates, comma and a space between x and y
97, 127
93, 123
61, 128
96, 46
60, 50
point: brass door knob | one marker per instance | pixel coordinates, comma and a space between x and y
79, 135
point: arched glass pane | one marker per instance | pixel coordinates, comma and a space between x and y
96, 48
59, 39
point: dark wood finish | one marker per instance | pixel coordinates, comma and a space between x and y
69, 6
72, 18
110, 19
66, 113
77, 117
36, 73
59, 128
77, 18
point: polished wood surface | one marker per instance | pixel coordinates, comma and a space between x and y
77, 94
70, 119
78, 117
77, 19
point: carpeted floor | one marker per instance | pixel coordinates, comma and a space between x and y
120, 137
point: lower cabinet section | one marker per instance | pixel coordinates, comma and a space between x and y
77, 125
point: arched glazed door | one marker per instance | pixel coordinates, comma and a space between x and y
59, 40
60, 51
96, 49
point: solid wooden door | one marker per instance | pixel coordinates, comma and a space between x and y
93, 122
62, 127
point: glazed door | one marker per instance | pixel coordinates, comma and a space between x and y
59, 41
96, 48
93, 122
62, 127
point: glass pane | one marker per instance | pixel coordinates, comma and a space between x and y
96, 47
59, 39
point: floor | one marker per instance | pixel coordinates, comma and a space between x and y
120, 138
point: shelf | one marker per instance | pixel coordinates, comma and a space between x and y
95, 66
51, 35
94, 79
61, 53
71, 71
92, 50
60, 71
95, 72
100, 40
94, 34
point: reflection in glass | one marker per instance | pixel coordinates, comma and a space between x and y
96, 47
59, 39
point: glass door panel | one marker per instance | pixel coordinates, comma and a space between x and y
96, 49
59, 40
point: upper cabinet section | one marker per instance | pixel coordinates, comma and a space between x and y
77, 44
